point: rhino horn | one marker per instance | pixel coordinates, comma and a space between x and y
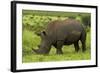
39, 51
36, 51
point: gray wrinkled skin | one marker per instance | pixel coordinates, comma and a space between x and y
59, 33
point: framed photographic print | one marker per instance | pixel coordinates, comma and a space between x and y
47, 36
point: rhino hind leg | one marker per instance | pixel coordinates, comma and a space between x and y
83, 41
83, 45
59, 45
76, 45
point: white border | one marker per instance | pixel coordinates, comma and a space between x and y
21, 65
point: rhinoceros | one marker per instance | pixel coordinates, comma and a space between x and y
59, 33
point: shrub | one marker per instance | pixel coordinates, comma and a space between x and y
86, 20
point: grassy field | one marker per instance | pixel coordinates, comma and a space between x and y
34, 22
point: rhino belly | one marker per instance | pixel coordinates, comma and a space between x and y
72, 37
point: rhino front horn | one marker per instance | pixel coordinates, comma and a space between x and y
34, 50
39, 51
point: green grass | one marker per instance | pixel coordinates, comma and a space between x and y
30, 40
53, 57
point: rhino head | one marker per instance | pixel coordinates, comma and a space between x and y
44, 46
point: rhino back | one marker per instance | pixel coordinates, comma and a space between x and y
68, 29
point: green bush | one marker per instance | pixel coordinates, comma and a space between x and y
86, 20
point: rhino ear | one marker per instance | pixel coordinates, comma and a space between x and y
43, 33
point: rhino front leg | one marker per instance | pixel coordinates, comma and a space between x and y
59, 47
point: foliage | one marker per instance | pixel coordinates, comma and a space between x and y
37, 20
86, 20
